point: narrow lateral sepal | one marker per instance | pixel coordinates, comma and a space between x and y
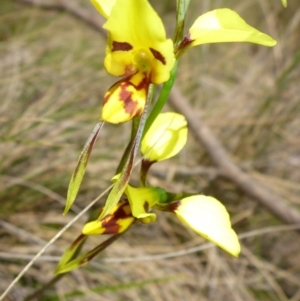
87, 257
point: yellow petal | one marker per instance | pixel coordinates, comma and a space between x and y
284, 3
114, 227
134, 28
104, 6
141, 200
225, 25
165, 138
209, 218
93, 228
117, 221
124, 100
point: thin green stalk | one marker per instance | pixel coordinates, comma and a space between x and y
38, 293
162, 99
182, 6
121, 183
134, 128
145, 166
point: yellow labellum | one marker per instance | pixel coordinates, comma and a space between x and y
209, 218
137, 42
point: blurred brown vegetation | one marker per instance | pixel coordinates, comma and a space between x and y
51, 86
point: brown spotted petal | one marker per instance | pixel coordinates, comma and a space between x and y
116, 222
125, 100
137, 41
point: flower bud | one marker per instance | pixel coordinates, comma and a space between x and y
165, 138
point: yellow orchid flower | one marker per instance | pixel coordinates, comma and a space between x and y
141, 200
117, 221
165, 138
139, 52
209, 218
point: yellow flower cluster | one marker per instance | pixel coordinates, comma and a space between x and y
139, 52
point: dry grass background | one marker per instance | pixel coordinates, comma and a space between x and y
51, 86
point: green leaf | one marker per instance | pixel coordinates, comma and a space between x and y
224, 25
87, 257
284, 3
120, 185
81, 167
72, 251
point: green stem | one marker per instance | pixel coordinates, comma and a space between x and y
145, 166
38, 293
134, 128
182, 6
162, 99
121, 183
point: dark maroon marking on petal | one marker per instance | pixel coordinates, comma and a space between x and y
130, 106
146, 206
107, 219
112, 228
158, 56
173, 206
187, 40
121, 46
121, 213
144, 84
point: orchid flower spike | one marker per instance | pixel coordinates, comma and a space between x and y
139, 52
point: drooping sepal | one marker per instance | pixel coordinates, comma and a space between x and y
117, 221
